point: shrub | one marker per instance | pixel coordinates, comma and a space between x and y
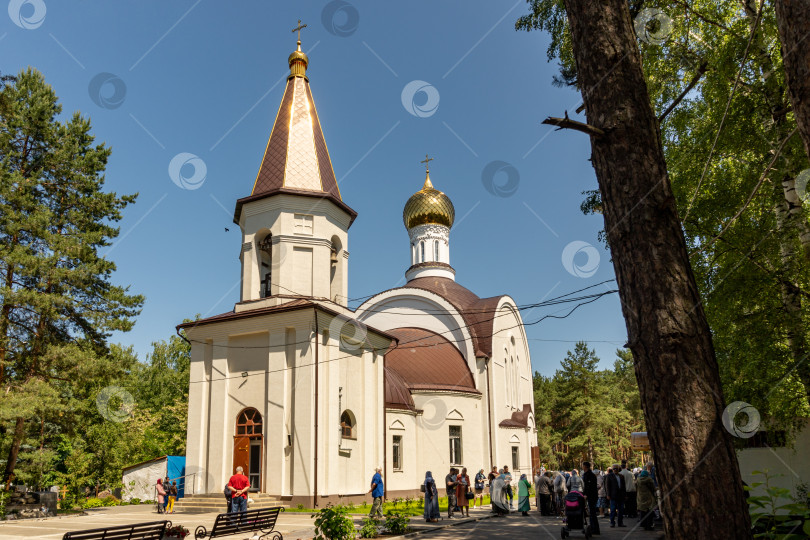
769, 518
396, 523
92, 502
333, 523
370, 528
134, 500
110, 501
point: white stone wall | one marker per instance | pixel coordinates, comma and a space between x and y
442, 410
788, 467
268, 363
139, 482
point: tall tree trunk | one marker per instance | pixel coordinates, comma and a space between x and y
14, 450
793, 22
668, 334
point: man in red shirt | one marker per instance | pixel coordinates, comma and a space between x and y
239, 485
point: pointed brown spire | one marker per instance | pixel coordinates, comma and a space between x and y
296, 156
296, 159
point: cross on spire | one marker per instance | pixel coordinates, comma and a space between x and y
298, 29
427, 161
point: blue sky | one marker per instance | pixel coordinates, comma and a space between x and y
205, 78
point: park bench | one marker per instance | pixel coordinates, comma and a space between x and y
263, 519
138, 531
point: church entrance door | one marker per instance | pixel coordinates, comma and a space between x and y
248, 446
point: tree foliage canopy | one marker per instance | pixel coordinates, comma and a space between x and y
587, 414
74, 409
735, 160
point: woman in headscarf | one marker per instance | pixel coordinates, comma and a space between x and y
500, 506
523, 494
431, 499
480, 479
161, 494
645, 499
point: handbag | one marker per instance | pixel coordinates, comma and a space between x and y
422, 488
470, 495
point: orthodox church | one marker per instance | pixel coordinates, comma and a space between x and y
309, 396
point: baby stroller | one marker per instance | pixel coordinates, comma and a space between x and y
576, 515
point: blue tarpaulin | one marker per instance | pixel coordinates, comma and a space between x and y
176, 470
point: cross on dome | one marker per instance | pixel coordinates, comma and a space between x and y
427, 161
298, 29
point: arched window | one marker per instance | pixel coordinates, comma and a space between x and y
506, 378
422, 249
249, 422
413, 253
436, 250
512, 381
348, 425
265, 264
335, 271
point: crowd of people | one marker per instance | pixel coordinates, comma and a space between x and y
615, 493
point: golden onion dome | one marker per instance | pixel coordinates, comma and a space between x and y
298, 62
428, 205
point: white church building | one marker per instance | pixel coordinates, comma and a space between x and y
309, 396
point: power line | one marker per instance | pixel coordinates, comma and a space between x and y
399, 345
353, 322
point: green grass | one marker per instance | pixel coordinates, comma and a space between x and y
398, 505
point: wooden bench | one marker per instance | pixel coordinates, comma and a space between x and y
263, 519
138, 531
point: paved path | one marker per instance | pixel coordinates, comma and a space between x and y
299, 526
534, 526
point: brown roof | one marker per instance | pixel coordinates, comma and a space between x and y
478, 313
427, 361
519, 419
397, 395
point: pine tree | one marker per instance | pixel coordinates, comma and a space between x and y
55, 287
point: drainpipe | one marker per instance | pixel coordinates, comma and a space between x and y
489, 415
317, 346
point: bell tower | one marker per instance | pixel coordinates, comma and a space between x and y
294, 223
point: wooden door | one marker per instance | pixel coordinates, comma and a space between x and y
535, 458
241, 454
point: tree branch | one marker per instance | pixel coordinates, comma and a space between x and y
701, 70
764, 175
567, 123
